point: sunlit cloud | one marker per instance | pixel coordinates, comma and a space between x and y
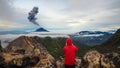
8, 24
109, 28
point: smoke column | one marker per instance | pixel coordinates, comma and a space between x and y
32, 15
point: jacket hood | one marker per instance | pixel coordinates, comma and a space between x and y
69, 41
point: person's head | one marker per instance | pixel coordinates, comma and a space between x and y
69, 41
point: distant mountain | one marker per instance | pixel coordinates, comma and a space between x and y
91, 38
41, 30
112, 31
92, 33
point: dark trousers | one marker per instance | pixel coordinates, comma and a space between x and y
69, 66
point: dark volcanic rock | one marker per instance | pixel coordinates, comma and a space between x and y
30, 61
115, 57
26, 61
21, 51
1, 49
2, 63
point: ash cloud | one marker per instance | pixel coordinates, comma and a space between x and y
32, 15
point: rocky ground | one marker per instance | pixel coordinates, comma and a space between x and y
39, 57
36, 59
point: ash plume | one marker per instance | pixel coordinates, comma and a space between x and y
32, 15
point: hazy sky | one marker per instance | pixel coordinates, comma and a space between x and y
61, 15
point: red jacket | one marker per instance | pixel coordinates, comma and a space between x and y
69, 52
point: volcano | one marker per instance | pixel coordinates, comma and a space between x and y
41, 30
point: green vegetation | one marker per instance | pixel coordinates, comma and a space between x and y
55, 46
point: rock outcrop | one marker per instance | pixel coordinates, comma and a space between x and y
21, 43
115, 57
25, 52
94, 59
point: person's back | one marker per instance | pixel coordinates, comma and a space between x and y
69, 53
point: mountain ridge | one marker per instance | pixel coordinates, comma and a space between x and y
110, 45
91, 38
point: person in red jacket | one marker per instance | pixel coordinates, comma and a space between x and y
69, 53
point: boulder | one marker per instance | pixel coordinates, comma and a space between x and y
94, 59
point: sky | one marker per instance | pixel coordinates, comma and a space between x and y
60, 15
